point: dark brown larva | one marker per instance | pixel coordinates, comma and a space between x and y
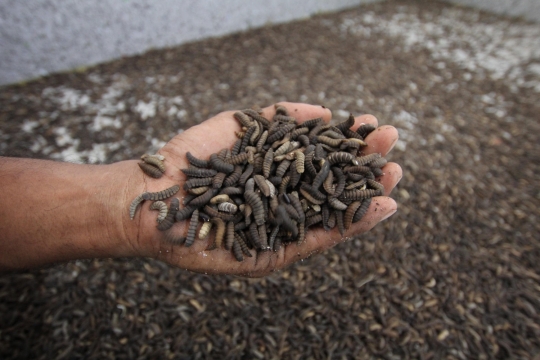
359, 194
346, 124
263, 236
365, 129
378, 163
311, 123
162, 207
284, 183
312, 220
356, 185
196, 172
375, 185
155, 161
321, 175
362, 210
295, 202
364, 160
280, 133
236, 147
150, 170
192, 229
196, 161
256, 204
325, 212
329, 141
281, 110
168, 222
309, 197
219, 165
257, 117
254, 233
295, 176
349, 214
237, 249
134, 204
341, 157
262, 185
197, 182
229, 239
283, 167
336, 204
203, 199
161, 195
185, 213
238, 159
339, 221
232, 191
217, 181
243, 119
243, 245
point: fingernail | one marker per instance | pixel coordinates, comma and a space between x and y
389, 214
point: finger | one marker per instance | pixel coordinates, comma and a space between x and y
364, 119
301, 112
392, 174
381, 140
318, 239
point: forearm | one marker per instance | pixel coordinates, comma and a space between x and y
55, 211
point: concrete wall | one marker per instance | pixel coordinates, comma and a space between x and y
42, 36
528, 9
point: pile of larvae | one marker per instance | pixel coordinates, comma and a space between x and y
279, 179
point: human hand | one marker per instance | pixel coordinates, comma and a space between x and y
217, 133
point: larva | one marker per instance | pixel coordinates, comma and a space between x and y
243, 245
220, 231
378, 163
238, 159
232, 191
325, 212
197, 182
257, 117
184, 213
359, 194
236, 147
192, 229
196, 172
245, 175
328, 183
284, 184
162, 207
271, 187
303, 139
155, 161
161, 195
203, 199
261, 183
299, 163
329, 141
267, 162
294, 176
311, 123
243, 119
213, 213
365, 129
205, 230
134, 204
284, 119
312, 220
220, 165
219, 199
364, 160
256, 204
282, 168
309, 197
196, 161
254, 233
168, 222
346, 124
341, 157
150, 170
299, 131
218, 179
228, 207
263, 236
280, 132
356, 185
229, 239
321, 175
362, 210
376, 185
237, 249
198, 190
331, 219
349, 213
281, 110
336, 204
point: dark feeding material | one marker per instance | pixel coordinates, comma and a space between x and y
277, 181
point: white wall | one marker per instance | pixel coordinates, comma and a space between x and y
38, 37
528, 9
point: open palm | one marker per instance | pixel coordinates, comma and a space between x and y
217, 133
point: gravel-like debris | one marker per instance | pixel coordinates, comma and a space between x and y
455, 273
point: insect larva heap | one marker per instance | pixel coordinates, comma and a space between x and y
275, 182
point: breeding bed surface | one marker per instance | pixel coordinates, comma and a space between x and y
454, 273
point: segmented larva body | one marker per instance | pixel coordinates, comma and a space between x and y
162, 207
192, 229
232, 191
196, 172
261, 183
283, 167
336, 204
216, 214
341, 157
376, 185
364, 160
238, 159
271, 187
312, 220
256, 204
299, 131
280, 132
267, 162
205, 230
199, 190
321, 175
339, 221
217, 181
349, 213
329, 141
220, 199
196, 161
359, 194
220, 231
362, 210
365, 129
168, 222
281, 110
134, 204
150, 170
257, 117
356, 185
228, 207
236, 248
219, 165
229, 239
185, 213
161, 195
197, 182
378, 163
243, 119
203, 199
299, 162
155, 161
